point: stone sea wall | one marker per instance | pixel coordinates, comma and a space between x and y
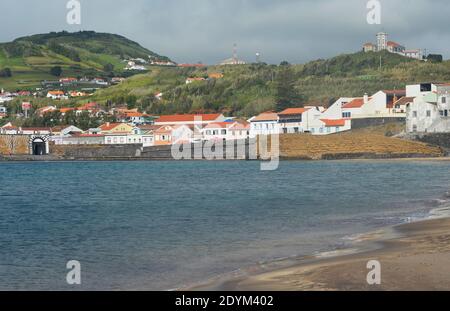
14, 144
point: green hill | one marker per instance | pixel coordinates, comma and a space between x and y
246, 90
82, 53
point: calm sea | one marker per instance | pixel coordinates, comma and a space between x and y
161, 225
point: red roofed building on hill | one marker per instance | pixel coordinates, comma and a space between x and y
393, 47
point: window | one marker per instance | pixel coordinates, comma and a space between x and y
285, 130
296, 130
428, 113
224, 132
414, 114
328, 130
414, 128
321, 130
346, 115
444, 100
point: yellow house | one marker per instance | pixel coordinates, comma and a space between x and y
111, 128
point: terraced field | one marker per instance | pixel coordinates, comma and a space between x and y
359, 144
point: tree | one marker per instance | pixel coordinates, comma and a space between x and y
56, 71
286, 94
6, 73
108, 67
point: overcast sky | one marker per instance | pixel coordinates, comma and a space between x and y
205, 30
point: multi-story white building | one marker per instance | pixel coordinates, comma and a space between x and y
430, 110
265, 123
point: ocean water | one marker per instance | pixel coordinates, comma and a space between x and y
162, 225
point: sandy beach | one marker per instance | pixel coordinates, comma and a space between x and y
413, 256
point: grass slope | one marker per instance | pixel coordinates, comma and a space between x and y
81, 53
249, 89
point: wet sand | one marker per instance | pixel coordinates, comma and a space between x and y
413, 256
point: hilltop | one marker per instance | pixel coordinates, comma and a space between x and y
246, 90
81, 53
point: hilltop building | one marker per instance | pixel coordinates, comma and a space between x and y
383, 44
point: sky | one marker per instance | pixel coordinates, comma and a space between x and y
206, 30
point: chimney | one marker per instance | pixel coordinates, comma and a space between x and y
366, 98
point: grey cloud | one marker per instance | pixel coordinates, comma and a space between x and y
205, 30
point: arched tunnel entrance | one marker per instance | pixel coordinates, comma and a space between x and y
39, 147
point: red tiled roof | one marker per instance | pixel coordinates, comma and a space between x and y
392, 43
293, 111
56, 92
332, 123
404, 101
187, 118
64, 110
266, 116
356, 103
108, 127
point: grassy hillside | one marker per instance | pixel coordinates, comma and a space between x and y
249, 89
82, 53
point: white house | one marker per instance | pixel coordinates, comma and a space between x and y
379, 105
301, 120
57, 95
265, 123
429, 112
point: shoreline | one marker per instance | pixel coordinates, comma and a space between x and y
380, 157
413, 257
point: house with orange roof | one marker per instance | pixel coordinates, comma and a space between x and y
301, 120
78, 94
93, 109
137, 118
192, 80
57, 95
189, 119
215, 75
111, 128
43, 110
379, 105
265, 123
